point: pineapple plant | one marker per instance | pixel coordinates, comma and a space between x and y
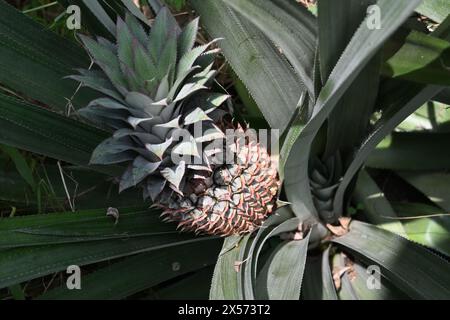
131, 109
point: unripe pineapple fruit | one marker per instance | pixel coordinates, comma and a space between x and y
156, 91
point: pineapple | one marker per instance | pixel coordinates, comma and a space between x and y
155, 89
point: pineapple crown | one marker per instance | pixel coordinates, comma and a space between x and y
155, 86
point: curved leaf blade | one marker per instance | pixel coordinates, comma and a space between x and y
137, 273
358, 53
288, 25
406, 264
282, 275
34, 61
253, 57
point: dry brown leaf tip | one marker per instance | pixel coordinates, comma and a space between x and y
342, 228
296, 235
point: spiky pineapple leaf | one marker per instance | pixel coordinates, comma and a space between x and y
156, 5
41, 131
133, 8
164, 28
46, 245
175, 175
338, 21
136, 29
363, 46
124, 44
168, 60
80, 226
188, 37
253, 57
288, 25
406, 105
318, 281
282, 275
188, 59
435, 185
108, 60
137, 172
377, 208
406, 264
97, 9
225, 282
112, 151
140, 272
34, 61
271, 226
195, 286
436, 10
423, 59
143, 64
426, 224
415, 151
97, 81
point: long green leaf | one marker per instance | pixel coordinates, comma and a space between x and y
425, 224
390, 119
91, 21
282, 275
354, 283
96, 238
436, 186
270, 227
253, 57
288, 25
377, 208
406, 264
443, 96
433, 116
417, 151
96, 8
358, 53
131, 6
82, 226
21, 164
28, 127
399, 106
34, 61
422, 59
225, 282
318, 281
156, 5
193, 287
137, 273
338, 21
13, 189
87, 189
437, 10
